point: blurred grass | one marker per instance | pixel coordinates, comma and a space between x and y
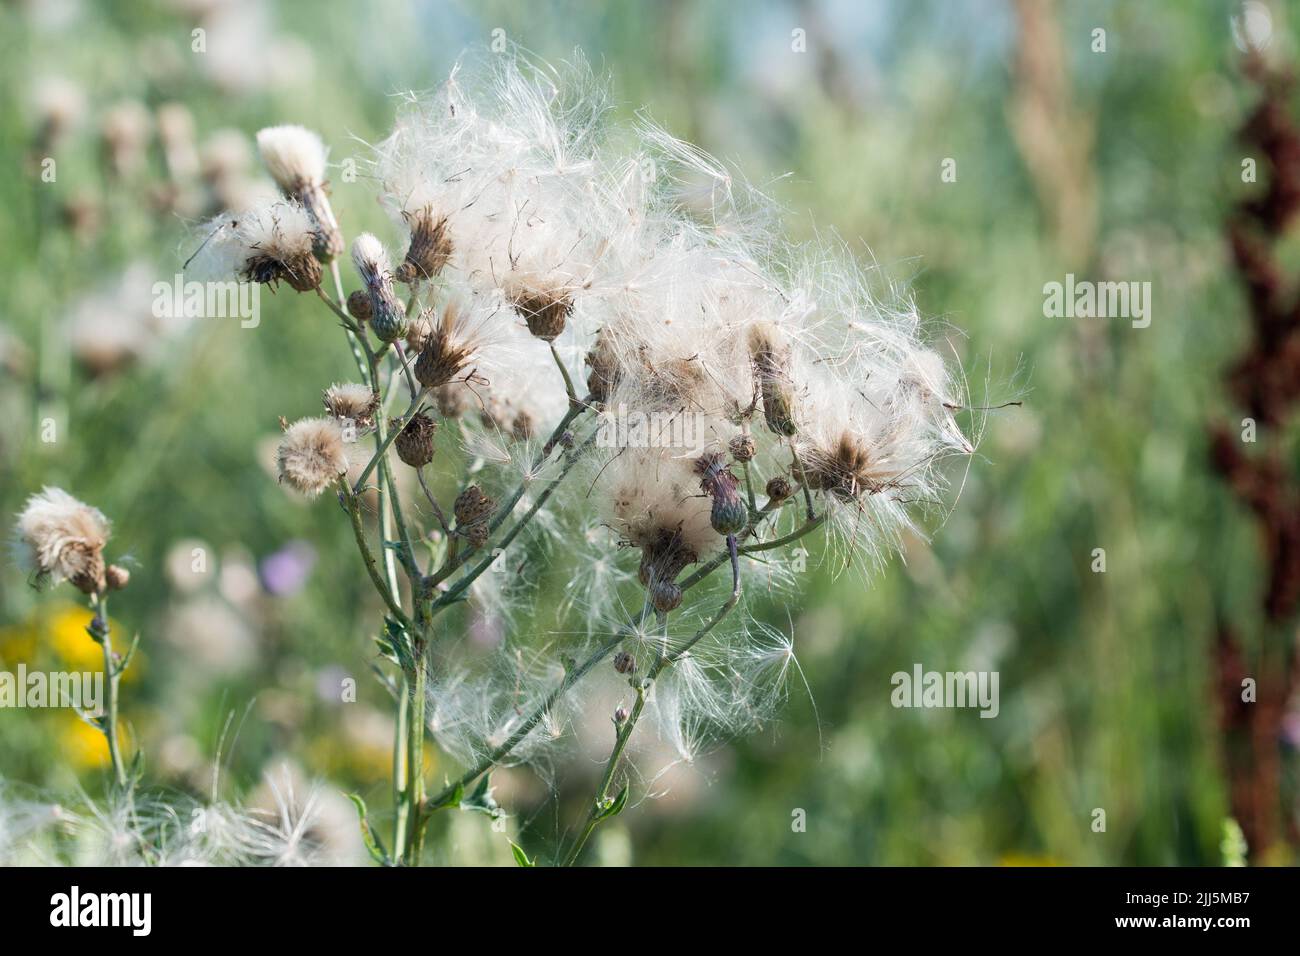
1106, 694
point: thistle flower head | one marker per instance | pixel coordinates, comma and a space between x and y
268, 243
351, 401
62, 539
446, 348
312, 455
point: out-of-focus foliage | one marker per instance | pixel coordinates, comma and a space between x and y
252, 607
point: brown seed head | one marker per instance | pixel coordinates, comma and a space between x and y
415, 443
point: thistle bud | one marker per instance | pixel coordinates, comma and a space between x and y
665, 596
779, 489
604, 368
624, 662
620, 714
430, 246
116, 577
359, 306
742, 448
415, 443
728, 514
545, 312
771, 371
388, 315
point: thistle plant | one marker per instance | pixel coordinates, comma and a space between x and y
587, 343
60, 539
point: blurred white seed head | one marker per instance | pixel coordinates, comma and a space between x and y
312, 455
62, 539
293, 155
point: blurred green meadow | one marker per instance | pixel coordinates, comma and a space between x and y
968, 161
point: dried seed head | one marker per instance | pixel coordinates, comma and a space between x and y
302, 272
418, 332
665, 596
430, 246
415, 443
295, 158
472, 504
771, 360
293, 155
359, 306
545, 311
62, 539
125, 136
477, 534
603, 362
663, 557
728, 514
312, 455
116, 577
351, 401
447, 351
742, 448
779, 489
268, 243
624, 662
388, 315
845, 470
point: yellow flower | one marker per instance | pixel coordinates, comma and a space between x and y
65, 630
17, 643
83, 746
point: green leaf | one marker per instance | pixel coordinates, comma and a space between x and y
520, 856
368, 835
481, 800
453, 799
616, 807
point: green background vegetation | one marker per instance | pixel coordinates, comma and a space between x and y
1108, 697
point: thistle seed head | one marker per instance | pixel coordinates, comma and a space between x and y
312, 455
63, 539
351, 401
447, 350
472, 505
116, 577
430, 246
545, 311
742, 448
415, 442
624, 662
